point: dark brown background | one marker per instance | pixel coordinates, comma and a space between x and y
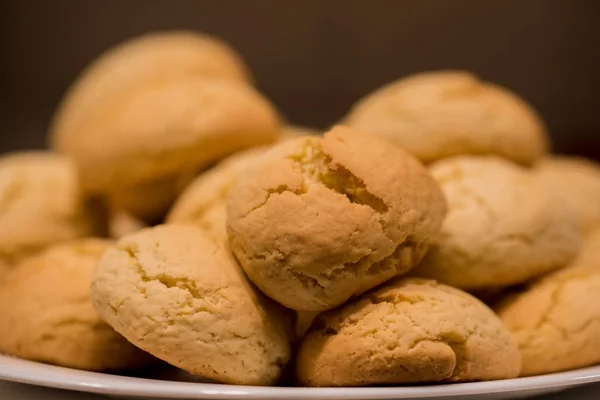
314, 58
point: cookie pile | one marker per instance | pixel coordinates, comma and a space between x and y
177, 217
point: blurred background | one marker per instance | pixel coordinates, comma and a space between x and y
314, 58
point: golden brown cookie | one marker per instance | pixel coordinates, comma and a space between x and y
556, 322
142, 61
503, 226
316, 221
178, 294
436, 115
42, 204
407, 331
578, 180
203, 203
46, 314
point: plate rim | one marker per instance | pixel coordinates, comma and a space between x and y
50, 376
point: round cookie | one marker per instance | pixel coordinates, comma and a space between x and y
176, 293
503, 226
42, 204
316, 221
46, 314
144, 60
203, 203
556, 322
436, 115
407, 331
578, 180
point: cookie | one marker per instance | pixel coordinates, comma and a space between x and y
295, 131
556, 322
178, 294
503, 226
589, 253
316, 221
121, 223
46, 314
407, 331
578, 180
203, 203
42, 204
436, 115
144, 60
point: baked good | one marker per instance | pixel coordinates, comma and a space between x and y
144, 60
203, 203
589, 253
316, 221
436, 115
556, 322
42, 204
121, 223
178, 294
578, 180
407, 331
503, 226
46, 314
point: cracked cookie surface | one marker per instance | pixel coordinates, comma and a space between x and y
41, 204
503, 226
176, 293
578, 181
556, 322
435, 115
46, 314
407, 331
317, 221
203, 203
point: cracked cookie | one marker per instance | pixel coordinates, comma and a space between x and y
436, 115
407, 331
316, 221
578, 180
503, 226
46, 314
41, 204
176, 293
203, 203
151, 113
556, 322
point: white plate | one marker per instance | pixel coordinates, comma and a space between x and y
12, 369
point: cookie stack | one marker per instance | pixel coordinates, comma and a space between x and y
428, 237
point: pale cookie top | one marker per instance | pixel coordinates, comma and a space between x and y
176, 293
143, 61
203, 203
46, 314
556, 322
409, 330
436, 115
41, 204
318, 220
166, 129
503, 226
578, 180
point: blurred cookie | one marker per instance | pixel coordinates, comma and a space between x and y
316, 221
556, 322
203, 203
407, 331
436, 115
141, 61
46, 314
178, 294
121, 223
296, 131
42, 204
589, 253
578, 180
503, 226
